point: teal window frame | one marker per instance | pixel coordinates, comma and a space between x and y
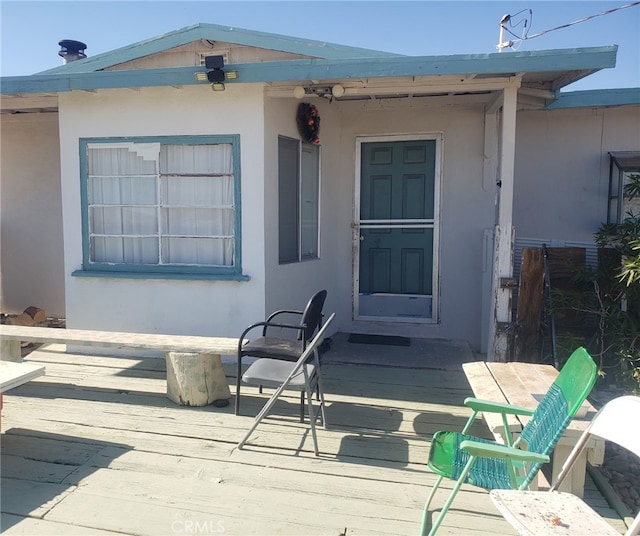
155, 271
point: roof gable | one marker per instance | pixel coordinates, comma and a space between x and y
215, 33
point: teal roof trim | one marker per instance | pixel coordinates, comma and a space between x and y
213, 32
505, 64
481, 64
596, 98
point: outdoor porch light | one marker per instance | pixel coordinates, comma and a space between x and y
215, 74
337, 90
328, 92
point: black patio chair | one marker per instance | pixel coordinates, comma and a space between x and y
286, 349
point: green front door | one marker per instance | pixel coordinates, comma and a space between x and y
397, 231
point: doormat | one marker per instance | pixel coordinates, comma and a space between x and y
390, 340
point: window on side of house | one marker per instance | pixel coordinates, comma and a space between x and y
298, 200
624, 170
160, 205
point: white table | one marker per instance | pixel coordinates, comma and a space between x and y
13, 374
541, 513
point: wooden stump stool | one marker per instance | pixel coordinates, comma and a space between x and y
10, 351
196, 379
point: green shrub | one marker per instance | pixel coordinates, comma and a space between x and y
619, 303
610, 302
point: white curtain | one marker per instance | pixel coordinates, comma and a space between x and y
152, 204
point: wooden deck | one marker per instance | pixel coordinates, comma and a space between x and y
95, 447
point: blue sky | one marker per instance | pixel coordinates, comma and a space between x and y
30, 30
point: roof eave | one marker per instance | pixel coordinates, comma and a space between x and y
565, 62
597, 98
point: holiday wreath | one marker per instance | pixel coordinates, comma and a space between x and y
308, 122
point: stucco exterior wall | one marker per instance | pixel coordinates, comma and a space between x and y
198, 307
561, 181
31, 254
466, 208
562, 169
287, 283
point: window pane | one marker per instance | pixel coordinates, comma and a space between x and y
122, 199
197, 251
309, 201
193, 159
119, 161
288, 196
197, 191
122, 190
631, 205
198, 204
123, 220
149, 203
197, 222
125, 250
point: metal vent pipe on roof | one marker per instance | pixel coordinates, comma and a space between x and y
71, 50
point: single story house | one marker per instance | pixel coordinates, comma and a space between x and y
176, 186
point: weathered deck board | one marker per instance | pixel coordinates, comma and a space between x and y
95, 447
404, 446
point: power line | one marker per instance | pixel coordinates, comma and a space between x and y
527, 37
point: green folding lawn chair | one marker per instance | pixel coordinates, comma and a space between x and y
491, 465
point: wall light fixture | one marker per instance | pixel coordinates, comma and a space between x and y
328, 92
215, 73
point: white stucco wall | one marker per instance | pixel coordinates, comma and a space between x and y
562, 169
290, 285
561, 182
199, 307
31, 255
466, 208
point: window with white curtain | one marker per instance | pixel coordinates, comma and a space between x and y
160, 204
298, 200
